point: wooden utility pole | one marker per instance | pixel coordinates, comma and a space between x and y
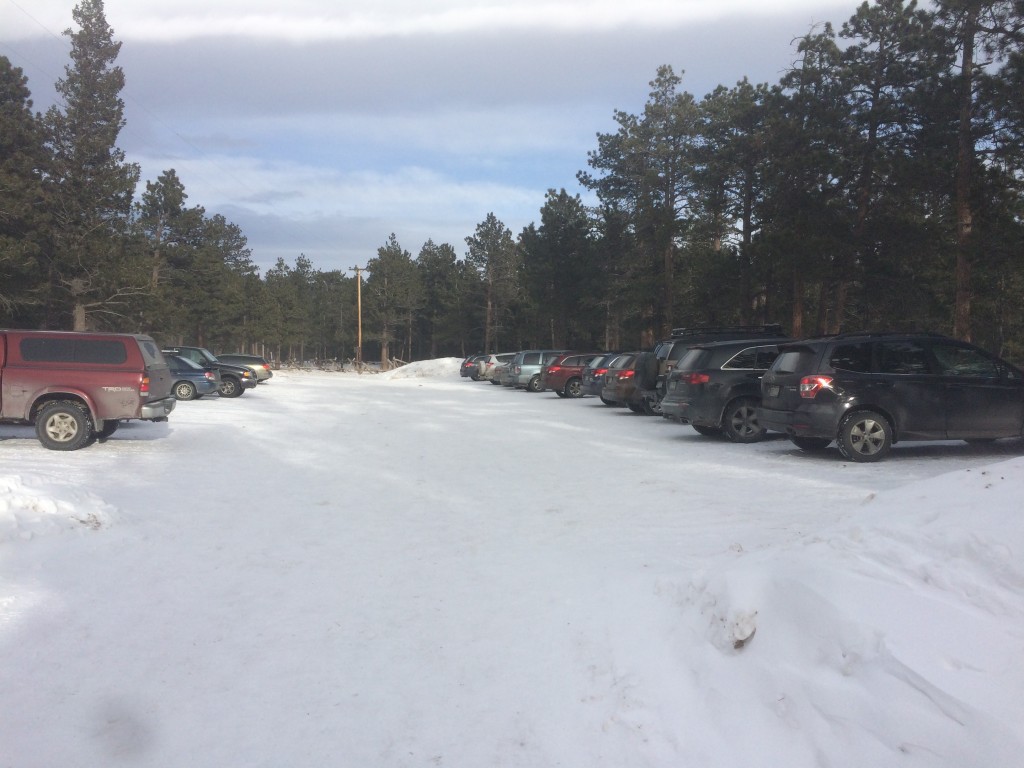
359, 315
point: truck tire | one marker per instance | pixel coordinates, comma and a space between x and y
63, 425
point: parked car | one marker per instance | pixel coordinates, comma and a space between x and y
469, 369
619, 380
260, 366
526, 367
716, 388
189, 380
489, 364
78, 387
234, 379
868, 391
594, 371
651, 375
564, 374
501, 373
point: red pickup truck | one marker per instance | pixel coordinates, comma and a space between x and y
75, 387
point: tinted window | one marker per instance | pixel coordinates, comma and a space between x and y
743, 360
902, 357
965, 361
694, 359
150, 351
678, 351
794, 361
852, 357
54, 350
532, 358
765, 357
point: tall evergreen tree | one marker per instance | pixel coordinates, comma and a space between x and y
89, 179
23, 215
493, 254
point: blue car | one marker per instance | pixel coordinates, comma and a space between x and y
190, 380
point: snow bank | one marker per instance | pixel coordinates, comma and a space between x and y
31, 506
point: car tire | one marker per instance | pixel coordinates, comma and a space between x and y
636, 408
230, 387
739, 422
63, 426
706, 431
609, 403
864, 436
810, 444
533, 385
574, 388
559, 392
185, 390
495, 383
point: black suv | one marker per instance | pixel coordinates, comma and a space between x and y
867, 391
651, 370
234, 379
716, 388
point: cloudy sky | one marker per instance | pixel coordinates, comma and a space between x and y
320, 127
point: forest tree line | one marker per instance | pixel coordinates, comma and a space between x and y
876, 186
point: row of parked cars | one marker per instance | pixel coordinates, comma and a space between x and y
862, 391
77, 388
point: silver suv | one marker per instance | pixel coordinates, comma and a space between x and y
526, 366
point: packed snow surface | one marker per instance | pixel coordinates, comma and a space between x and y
415, 569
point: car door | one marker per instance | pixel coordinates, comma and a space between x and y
905, 384
984, 395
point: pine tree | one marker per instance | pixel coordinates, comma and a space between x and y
89, 179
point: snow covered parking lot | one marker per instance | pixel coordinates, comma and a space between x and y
415, 569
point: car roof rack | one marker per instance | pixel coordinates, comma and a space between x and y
768, 328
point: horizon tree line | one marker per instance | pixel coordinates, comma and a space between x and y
876, 186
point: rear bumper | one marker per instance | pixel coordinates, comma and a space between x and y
802, 422
158, 409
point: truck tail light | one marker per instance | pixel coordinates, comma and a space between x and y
144, 386
810, 386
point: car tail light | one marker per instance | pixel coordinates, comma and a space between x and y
626, 375
144, 386
600, 371
695, 378
209, 375
810, 386
553, 369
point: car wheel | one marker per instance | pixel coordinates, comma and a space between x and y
533, 385
574, 388
740, 422
63, 426
706, 431
813, 444
495, 382
864, 436
185, 390
230, 387
636, 408
609, 403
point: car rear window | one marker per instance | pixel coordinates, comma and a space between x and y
794, 360
532, 358
59, 350
694, 359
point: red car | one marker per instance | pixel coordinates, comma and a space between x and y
564, 374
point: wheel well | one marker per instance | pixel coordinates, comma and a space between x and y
58, 397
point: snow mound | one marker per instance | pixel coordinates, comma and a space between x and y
444, 367
31, 507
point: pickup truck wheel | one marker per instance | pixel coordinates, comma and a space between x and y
740, 423
109, 427
185, 390
230, 387
63, 426
574, 388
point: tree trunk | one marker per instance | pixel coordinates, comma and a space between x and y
964, 159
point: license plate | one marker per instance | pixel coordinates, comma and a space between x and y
773, 390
